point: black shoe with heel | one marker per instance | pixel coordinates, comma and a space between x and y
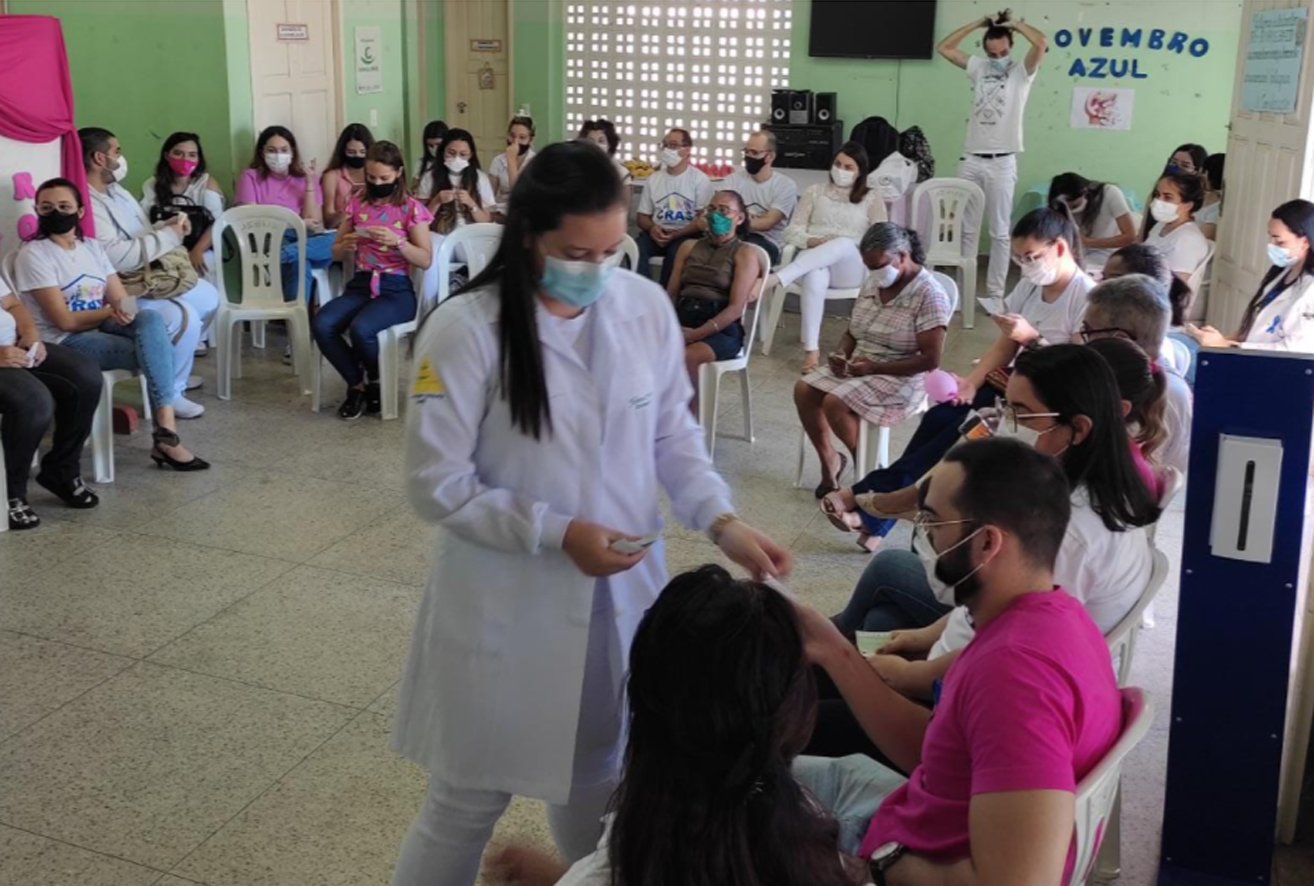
165, 437
21, 515
73, 493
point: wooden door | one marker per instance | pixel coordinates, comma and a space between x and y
295, 71
478, 63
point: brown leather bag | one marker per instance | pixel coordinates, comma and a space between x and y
169, 276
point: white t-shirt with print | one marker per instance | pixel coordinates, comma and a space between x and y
80, 274
674, 201
486, 198
777, 192
1105, 225
8, 325
1056, 321
498, 170
1184, 249
999, 102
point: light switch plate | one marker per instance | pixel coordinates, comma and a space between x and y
1245, 498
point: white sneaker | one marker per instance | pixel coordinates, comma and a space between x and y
195, 382
184, 408
201, 349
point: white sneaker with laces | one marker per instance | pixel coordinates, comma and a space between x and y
184, 408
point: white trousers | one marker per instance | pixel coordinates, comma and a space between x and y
997, 177
446, 840
199, 305
836, 264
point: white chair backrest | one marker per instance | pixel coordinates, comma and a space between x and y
755, 301
1201, 272
629, 251
477, 243
8, 271
1176, 355
1122, 639
949, 201
1097, 791
950, 286
258, 231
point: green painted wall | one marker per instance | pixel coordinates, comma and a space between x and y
435, 36
145, 69
1182, 99
241, 106
539, 59
391, 102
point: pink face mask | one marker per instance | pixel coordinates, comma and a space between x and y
183, 166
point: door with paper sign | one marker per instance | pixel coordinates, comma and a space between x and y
478, 42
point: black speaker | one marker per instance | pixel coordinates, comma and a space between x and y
824, 108
807, 147
800, 107
780, 105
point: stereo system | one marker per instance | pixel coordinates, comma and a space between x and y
802, 107
807, 147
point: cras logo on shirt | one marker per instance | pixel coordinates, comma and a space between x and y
674, 209
85, 293
428, 383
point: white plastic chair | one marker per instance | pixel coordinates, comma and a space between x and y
1122, 639
326, 288
1199, 284
774, 302
1097, 802
102, 424
1173, 481
949, 201
258, 231
630, 251
874, 449
709, 374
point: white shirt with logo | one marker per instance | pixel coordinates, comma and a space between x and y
80, 274
674, 201
999, 102
778, 192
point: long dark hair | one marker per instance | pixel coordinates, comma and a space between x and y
1189, 185
433, 129
744, 226
444, 220
1075, 380
1069, 187
1142, 383
858, 154
1143, 258
164, 172
77, 198
352, 132
1049, 225
258, 161
1199, 156
568, 178
721, 702
1298, 216
608, 130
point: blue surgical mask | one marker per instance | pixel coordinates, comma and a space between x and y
575, 283
1000, 64
1281, 257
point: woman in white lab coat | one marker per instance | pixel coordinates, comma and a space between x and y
1281, 315
549, 410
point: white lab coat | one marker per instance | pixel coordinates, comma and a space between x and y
1287, 323
490, 697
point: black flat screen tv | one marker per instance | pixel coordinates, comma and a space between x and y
872, 29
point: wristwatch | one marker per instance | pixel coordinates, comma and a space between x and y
719, 524
883, 859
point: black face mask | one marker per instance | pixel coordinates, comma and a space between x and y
523, 148
380, 191
753, 165
57, 222
354, 162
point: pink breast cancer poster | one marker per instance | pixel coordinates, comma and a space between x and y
1098, 108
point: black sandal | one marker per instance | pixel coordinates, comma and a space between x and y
75, 494
822, 489
165, 437
21, 515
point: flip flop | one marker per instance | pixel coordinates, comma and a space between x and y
834, 516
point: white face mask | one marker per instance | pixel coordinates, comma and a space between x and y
1283, 258
121, 171
942, 590
670, 157
278, 162
885, 277
842, 177
456, 165
1001, 64
1041, 273
1163, 211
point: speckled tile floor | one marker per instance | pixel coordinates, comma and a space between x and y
197, 679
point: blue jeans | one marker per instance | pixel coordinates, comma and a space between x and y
850, 789
355, 312
318, 255
650, 248
892, 595
141, 346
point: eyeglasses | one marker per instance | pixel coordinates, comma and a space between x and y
1087, 334
1010, 419
1023, 261
674, 146
754, 155
924, 522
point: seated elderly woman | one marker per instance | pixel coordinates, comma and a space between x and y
711, 284
895, 336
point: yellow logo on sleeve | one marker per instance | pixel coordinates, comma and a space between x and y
427, 382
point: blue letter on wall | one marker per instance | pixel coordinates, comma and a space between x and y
1063, 38
1106, 37
1131, 38
1199, 46
1077, 69
1156, 39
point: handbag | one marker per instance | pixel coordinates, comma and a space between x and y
169, 276
201, 218
693, 311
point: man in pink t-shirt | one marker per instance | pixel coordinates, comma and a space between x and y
1030, 706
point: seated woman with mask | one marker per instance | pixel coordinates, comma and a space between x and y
1101, 212
711, 284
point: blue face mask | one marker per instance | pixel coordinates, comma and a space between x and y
575, 283
1000, 65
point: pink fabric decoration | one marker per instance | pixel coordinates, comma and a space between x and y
23, 189
941, 386
27, 227
36, 96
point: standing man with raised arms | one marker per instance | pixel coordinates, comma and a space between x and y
994, 130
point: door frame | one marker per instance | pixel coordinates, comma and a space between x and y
454, 75
336, 36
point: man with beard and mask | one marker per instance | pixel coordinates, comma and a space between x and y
770, 197
1029, 708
